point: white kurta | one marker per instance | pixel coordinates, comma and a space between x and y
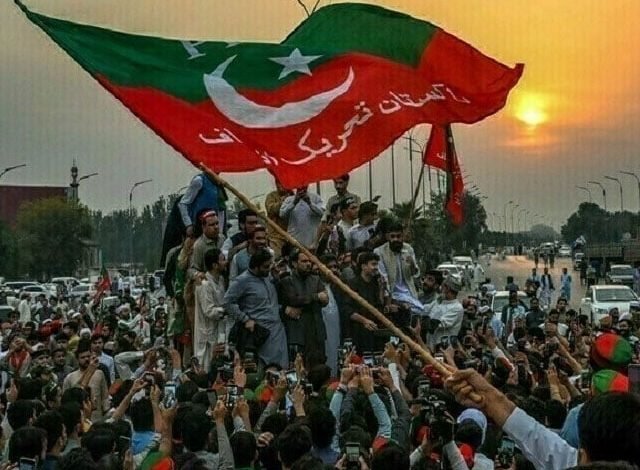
210, 326
450, 314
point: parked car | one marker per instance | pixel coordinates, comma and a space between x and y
501, 298
450, 269
600, 299
564, 251
82, 289
17, 286
577, 261
620, 274
36, 290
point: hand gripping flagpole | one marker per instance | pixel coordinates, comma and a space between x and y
423, 353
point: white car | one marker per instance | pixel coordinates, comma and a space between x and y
450, 269
600, 299
564, 251
36, 290
501, 298
83, 289
17, 286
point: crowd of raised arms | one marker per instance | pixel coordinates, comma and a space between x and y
253, 358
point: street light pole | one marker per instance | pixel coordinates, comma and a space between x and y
135, 185
505, 221
638, 180
604, 192
10, 168
513, 209
587, 190
611, 178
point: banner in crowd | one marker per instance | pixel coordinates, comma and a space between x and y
335, 93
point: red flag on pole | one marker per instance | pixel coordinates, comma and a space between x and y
103, 285
441, 153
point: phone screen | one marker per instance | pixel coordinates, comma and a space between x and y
352, 451
292, 378
634, 378
395, 341
507, 445
169, 394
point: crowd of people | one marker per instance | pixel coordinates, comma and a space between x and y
257, 359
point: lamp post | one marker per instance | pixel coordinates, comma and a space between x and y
611, 178
135, 185
604, 192
520, 212
587, 190
638, 180
505, 221
76, 183
513, 209
11, 168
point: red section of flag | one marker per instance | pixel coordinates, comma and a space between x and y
441, 154
456, 184
435, 154
103, 285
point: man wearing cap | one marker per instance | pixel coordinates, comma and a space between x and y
448, 312
303, 213
360, 233
210, 238
399, 268
341, 184
348, 214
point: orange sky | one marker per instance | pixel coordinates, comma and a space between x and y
582, 71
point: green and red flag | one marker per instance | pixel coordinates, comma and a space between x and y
440, 153
335, 93
104, 285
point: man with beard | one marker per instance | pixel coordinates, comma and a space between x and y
247, 222
257, 240
448, 312
303, 296
368, 285
624, 329
430, 289
210, 238
252, 299
399, 269
535, 315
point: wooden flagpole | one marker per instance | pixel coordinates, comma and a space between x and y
423, 353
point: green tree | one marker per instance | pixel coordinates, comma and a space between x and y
50, 233
8, 252
600, 226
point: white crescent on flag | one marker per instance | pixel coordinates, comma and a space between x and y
250, 114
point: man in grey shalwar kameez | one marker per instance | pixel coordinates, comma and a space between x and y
252, 298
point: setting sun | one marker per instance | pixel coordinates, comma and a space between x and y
530, 110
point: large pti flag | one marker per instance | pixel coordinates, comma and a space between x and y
335, 93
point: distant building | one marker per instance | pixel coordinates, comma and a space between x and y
12, 197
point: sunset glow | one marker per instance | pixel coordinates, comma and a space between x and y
531, 110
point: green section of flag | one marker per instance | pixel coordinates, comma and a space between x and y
177, 68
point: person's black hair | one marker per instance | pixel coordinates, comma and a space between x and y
259, 228
275, 424
470, 433
391, 456
121, 428
72, 325
556, 413
244, 213
534, 408
328, 258
71, 416
185, 391
542, 392
181, 413
509, 279
121, 393
211, 257
293, 443
536, 332
367, 208
308, 462
366, 256
318, 376
244, 447
19, 413
141, 414
27, 442
75, 395
609, 427
195, 429
76, 459
322, 424
344, 177
356, 434
29, 389
260, 257
84, 345
394, 226
200, 398
99, 442
96, 336
53, 425
190, 461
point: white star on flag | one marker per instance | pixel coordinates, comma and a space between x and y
296, 62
